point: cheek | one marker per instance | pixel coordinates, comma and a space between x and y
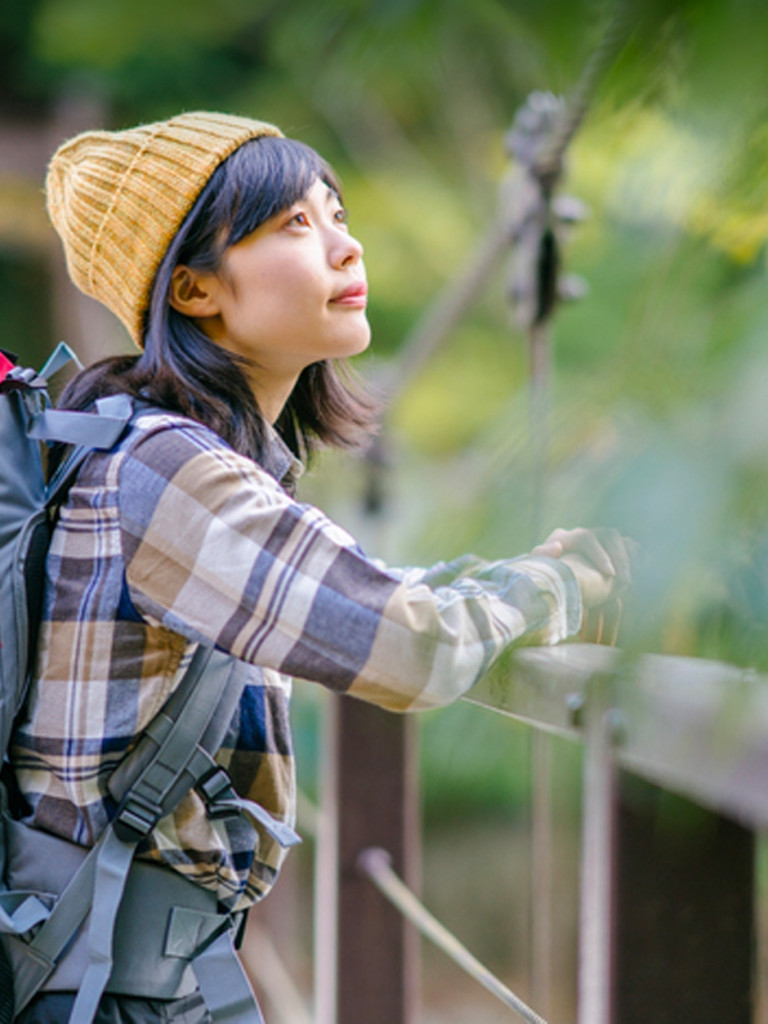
284, 282
275, 289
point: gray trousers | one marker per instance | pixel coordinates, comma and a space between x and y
55, 1008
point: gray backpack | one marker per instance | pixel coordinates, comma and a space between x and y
90, 921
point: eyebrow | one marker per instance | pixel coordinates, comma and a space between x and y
331, 193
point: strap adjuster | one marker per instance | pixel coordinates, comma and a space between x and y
136, 818
223, 802
216, 789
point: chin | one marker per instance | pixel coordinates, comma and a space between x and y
352, 347
364, 341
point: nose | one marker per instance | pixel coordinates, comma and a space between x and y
346, 251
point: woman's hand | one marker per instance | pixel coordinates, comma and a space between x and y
600, 560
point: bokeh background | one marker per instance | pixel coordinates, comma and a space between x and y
658, 420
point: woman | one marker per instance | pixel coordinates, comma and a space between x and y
224, 249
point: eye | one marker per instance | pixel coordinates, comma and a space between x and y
341, 215
299, 219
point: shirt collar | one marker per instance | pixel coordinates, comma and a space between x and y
278, 459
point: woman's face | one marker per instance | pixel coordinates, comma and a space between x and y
293, 292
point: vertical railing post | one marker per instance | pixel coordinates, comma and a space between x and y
597, 858
667, 917
371, 800
541, 883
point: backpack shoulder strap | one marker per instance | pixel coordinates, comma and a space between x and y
177, 747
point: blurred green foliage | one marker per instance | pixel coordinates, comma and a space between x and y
658, 415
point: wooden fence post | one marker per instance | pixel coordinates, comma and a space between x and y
684, 913
367, 953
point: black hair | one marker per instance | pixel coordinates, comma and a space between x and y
182, 370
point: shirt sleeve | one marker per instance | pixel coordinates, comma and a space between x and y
215, 550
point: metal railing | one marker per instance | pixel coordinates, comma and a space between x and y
667, 916
695, 726
376, 865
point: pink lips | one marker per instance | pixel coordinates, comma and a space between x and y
356, 296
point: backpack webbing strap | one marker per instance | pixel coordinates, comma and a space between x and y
218, 707
170, 773
68, 913
279, 831
93, 430
113, 862
223, 802
85, 432
176, 753
224, 984
165, 760
20, 911
169, 759
61, 356
26, 377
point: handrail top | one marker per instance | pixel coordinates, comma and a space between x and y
689, 724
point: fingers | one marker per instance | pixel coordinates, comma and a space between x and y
621, 551
612, 621
592, 626
605, 548
594, 586
550, 548
579, 542
601, 624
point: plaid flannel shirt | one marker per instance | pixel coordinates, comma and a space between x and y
171, 540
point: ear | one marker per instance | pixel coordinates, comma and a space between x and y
193, 293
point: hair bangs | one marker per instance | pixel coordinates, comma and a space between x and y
264, 177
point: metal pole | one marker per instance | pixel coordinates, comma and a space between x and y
326, 925
540, 916
597, 861
376, 864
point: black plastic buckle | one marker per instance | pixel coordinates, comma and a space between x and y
216, 789
136, 818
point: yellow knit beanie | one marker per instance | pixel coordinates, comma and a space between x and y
117, 200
